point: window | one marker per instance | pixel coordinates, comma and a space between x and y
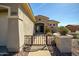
39, 19
53, 24
50, 24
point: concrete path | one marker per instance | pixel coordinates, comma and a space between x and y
39, 52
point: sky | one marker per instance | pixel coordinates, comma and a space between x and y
65, 13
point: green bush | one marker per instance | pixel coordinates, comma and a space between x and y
63, 30
77, 34
48, 31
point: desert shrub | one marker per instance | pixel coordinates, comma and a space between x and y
49, 34
63, 30
48, 31
77, 34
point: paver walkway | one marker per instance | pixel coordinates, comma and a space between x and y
40, 51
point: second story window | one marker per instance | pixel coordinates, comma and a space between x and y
50, 24
53, 24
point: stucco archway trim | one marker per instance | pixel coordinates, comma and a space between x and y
7, 7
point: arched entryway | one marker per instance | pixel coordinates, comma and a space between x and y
39, 28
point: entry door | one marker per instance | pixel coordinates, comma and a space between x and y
42, 29
3, 29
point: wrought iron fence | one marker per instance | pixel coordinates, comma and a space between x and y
38, 40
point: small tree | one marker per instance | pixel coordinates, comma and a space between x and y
48, 31
63, 30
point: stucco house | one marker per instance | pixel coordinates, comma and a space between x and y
73, 28
16, 21
43, 21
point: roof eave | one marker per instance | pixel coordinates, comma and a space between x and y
28, 10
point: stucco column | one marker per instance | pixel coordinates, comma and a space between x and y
13, 35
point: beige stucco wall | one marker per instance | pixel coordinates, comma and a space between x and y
25, 27
9, 28
13, 7
3, 28
27, 23
13, 28
13, 35
64, 43
17, 28
21, 34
